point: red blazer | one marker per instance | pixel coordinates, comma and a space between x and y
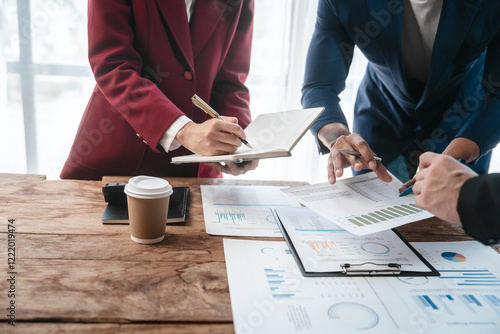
148, 61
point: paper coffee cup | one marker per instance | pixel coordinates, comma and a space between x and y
148, 198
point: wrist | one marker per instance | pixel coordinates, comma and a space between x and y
329, 133
183, 132
463, 148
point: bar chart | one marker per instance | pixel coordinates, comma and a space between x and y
225, 216
242, 210
475, 277
321, 247
362, 205
433, 306
283, 283
385, 214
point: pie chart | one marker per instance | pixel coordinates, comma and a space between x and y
453, 257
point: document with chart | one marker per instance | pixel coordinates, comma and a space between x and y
269, 295
242, 210
322, 248
362, 204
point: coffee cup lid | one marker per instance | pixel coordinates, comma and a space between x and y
148, 187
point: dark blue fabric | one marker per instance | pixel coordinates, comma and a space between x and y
461, 97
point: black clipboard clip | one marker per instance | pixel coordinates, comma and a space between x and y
371, 268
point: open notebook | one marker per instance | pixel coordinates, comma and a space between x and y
271, 135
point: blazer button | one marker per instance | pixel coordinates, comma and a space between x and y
188, 76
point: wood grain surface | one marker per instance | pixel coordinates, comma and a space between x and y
74, 274
107, 328
16, 178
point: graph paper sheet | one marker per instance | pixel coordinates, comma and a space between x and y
242, 210
321, 247
362, 204
269, 295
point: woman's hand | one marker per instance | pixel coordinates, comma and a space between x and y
233, 168
212, 137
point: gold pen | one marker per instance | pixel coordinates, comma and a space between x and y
197, 101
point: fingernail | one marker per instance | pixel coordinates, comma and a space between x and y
372, 165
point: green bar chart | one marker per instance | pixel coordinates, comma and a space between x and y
386, 214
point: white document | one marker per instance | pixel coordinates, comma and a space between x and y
271, 135
464, 299
362, 204
269, 295
242, 210
324, 246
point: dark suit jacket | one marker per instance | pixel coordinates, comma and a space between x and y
461, 97
479, 208
148, 62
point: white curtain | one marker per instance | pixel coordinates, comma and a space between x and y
305, 164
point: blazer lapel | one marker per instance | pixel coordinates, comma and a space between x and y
456, 19
207, 15
174, 12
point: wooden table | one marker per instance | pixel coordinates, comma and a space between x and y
74, 274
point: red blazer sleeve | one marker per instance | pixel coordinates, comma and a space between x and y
229, 93
117, 69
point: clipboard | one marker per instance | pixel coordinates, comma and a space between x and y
359, 269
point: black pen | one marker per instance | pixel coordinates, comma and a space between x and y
358, 155
197, 101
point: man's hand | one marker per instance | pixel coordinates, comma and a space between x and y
337, 136
212, 137
438, 185
458, 148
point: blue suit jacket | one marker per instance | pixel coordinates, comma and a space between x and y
461, 97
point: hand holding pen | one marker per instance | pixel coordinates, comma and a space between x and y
439, 183
197, 101
349, 149
407, 188
211, 137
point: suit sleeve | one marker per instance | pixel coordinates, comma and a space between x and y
327, 65
479, 208
229, 94
488, 116
117, 65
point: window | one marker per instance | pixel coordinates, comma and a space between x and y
46, 83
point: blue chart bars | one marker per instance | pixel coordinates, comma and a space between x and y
433, 306
283, 283
470, 277
230, 216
